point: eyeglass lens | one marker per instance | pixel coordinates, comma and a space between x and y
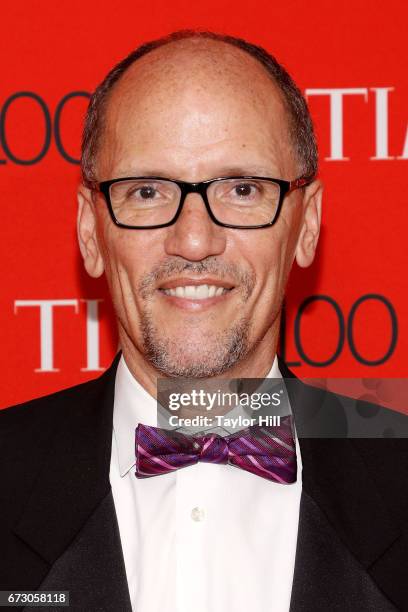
238, 201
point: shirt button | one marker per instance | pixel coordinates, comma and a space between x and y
198, 514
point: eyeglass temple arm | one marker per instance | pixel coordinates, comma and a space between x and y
301, 182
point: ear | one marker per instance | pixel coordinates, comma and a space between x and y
309, 233
87, 236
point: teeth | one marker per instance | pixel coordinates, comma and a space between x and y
196, 292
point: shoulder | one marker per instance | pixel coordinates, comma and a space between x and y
47, 408
47, 431
28, 428
52, 408
363, 419
320, 412
365, 444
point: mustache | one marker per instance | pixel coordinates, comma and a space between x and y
211, 265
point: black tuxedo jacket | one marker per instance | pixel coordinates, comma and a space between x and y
58, 527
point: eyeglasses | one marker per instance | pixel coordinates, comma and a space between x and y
241, 202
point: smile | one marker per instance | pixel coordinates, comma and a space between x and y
196, 292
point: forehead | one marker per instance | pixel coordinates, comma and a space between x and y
195, 103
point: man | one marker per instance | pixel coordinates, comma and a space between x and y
197, 269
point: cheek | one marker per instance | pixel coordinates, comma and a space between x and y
265, 253
119, 249
270, 252
129, 255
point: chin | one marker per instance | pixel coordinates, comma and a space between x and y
196, 353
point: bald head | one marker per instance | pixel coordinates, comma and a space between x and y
192, 104
189, 78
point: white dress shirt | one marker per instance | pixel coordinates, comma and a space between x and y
206, 538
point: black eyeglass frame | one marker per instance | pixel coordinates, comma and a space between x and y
285, 187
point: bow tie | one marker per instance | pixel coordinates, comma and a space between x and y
268, 452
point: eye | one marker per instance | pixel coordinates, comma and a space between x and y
244, 190
144, 192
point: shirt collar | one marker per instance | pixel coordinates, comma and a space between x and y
134, 405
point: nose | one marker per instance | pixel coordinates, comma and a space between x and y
194, 236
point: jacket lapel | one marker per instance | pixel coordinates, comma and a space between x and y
327, 575
73, 485
92, 568
339, 492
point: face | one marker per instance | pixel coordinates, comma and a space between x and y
196, 110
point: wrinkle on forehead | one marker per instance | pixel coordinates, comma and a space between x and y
193, 94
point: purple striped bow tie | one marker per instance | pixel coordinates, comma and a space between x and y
265, 451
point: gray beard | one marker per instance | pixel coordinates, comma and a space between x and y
169, 357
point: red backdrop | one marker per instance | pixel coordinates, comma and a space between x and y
346, 316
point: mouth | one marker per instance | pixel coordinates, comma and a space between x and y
195, 293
